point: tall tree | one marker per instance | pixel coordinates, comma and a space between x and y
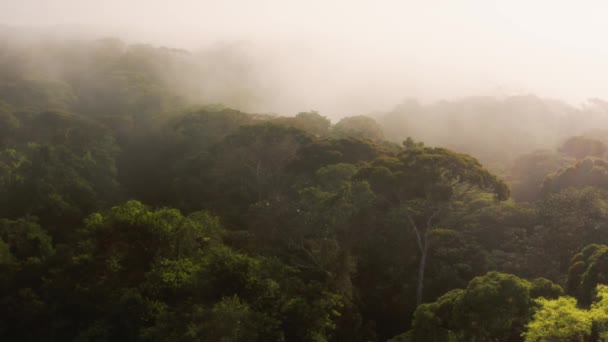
419, 187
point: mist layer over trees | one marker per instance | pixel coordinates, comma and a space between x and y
143, 198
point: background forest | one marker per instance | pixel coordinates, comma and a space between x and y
133, 209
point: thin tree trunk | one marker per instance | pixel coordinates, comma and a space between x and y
422, 239
344, 282
421, 269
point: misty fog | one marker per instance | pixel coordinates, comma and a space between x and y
351, 57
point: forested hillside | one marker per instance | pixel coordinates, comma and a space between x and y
135, 206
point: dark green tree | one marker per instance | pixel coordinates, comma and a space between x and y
419, 186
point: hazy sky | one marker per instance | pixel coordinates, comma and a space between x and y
352, 55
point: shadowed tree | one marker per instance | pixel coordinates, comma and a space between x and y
588, 269
528, 171
586, 172
571, 220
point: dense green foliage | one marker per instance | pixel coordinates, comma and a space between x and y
131, 212
561, 320
495, 306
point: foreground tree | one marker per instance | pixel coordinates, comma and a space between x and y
495, 306
562, 320
136, 273
559, 320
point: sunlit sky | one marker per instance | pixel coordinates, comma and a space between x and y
371, 54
